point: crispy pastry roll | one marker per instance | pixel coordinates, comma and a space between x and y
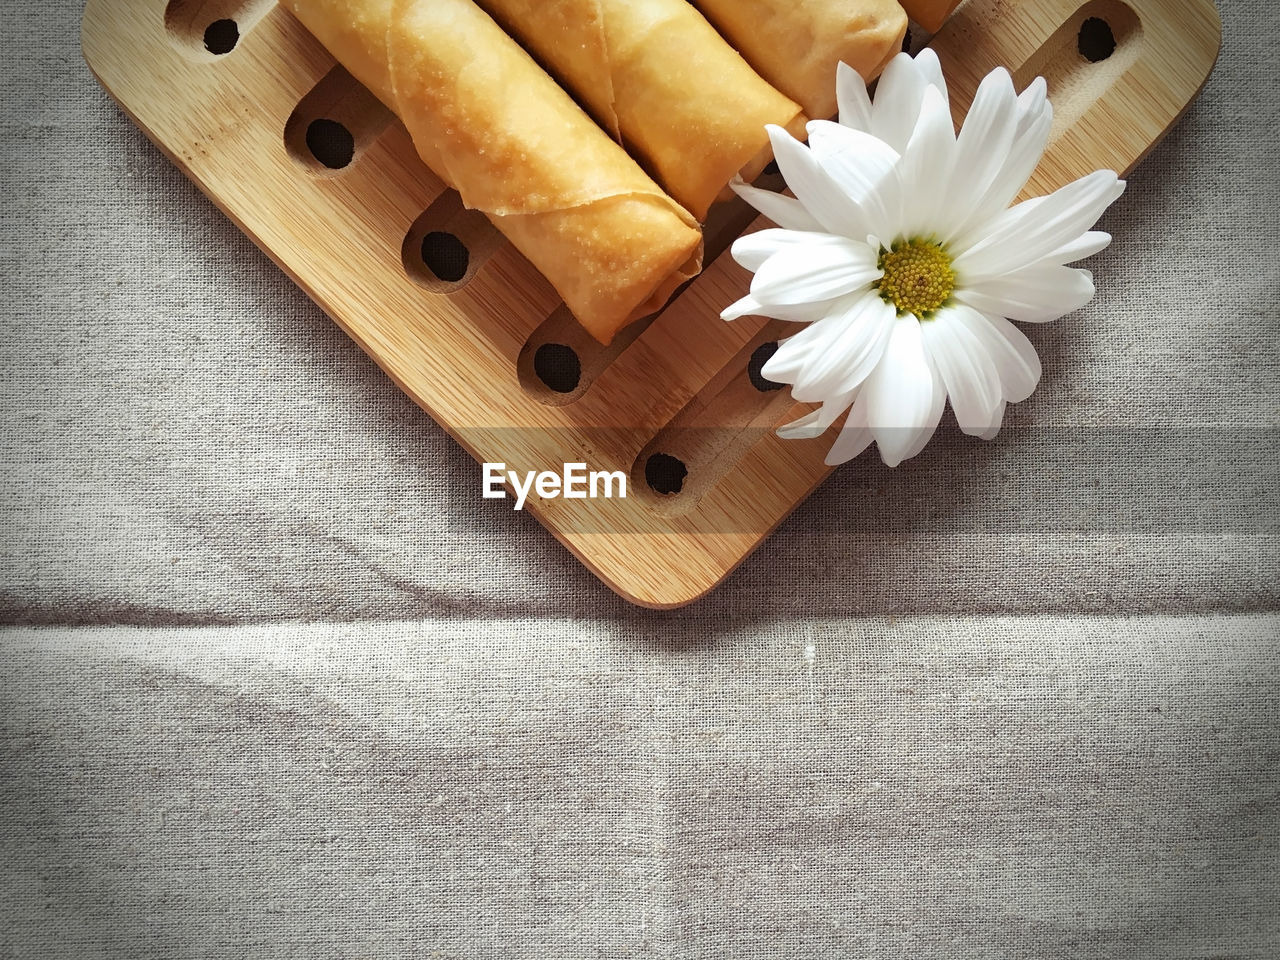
930, 14
796, 44
659, 78
492, 124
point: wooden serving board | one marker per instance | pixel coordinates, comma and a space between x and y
231, 90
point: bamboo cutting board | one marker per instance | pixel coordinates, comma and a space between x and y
327, 182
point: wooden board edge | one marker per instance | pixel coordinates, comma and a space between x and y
627, 588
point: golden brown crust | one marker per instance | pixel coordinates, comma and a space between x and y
796, 44
930, 14
642, 262
688, 107
568, 37
491, 123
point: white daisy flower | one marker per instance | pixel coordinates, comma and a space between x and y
901, 253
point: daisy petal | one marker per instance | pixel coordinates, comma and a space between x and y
855, 160
897, 104
932, 419
1032, 103
1085, 245
786, 212
970, 377
1021, 161
866, 168
815, 424
855, 436
753, 249
805, 428
795, 353
982, 145
927, 165
851, 97
1035, 294
821, 196
800, 274
807, 312
1035, 228
848, 354
748, 306
929, 68
1012, 353
993, 427
901, 393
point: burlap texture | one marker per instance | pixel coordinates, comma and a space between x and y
302, 692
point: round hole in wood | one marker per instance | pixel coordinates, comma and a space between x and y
558, 366
665, 474
1096, 41
331, 143
759, 357
445, 256
221, 36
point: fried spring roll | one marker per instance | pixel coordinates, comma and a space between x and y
796, 44
658, 77
492, 124
930, 14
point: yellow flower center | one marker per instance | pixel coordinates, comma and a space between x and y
918, 277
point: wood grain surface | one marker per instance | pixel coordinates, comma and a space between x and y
470, 350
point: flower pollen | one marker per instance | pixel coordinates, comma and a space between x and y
918, 277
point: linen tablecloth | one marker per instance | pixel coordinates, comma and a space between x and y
275, 681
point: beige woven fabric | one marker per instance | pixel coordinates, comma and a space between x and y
1032, 787
300, 692
190, 440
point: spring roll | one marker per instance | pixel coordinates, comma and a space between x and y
658, 77
796, 44
930, 14
487, 119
